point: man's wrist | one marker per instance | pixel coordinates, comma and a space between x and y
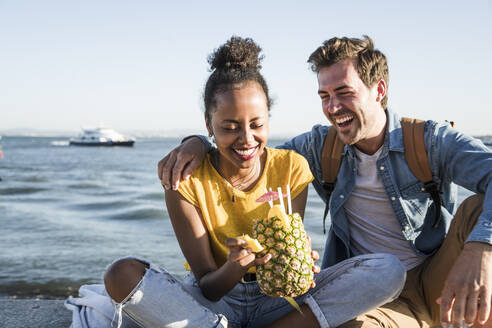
478, 245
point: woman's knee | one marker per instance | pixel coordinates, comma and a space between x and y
122, 277
393, 273
386, 273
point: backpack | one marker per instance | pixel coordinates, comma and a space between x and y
415, 156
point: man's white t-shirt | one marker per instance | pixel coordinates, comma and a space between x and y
372, 222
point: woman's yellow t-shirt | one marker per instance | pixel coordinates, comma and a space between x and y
212, 194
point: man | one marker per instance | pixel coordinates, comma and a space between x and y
378, 205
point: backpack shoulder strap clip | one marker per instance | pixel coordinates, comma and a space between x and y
418, 161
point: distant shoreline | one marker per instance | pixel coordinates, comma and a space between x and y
486, 139
147, 134
141, 135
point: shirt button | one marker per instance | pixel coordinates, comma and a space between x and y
393, 198
381, 168
422, 189
406, 228
341, 196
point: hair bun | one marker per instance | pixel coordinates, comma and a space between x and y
236, 53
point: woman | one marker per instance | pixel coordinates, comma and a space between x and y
218, 203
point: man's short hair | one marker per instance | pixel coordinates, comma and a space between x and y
371, 63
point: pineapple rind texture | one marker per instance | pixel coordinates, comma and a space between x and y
289, 271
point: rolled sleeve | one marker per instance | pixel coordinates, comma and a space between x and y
468, 163
482, 232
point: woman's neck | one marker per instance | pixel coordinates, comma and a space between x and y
238, 178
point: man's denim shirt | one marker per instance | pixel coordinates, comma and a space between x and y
454, 158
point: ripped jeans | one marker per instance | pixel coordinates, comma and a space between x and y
342, 292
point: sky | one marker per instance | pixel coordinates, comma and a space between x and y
141, 65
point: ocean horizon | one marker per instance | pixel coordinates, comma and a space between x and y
145, 134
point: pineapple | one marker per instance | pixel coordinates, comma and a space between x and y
289, 272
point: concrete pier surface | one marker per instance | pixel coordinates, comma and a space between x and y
26, 313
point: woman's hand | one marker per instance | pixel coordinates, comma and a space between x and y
240, 254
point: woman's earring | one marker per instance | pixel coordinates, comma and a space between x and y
211, 138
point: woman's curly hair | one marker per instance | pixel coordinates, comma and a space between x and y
233, 65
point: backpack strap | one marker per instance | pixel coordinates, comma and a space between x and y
415, 156
417, 160
331, 158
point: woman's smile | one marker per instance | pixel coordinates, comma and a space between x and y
246, 153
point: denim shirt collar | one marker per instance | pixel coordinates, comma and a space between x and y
393, 140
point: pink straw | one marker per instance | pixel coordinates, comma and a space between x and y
269, 202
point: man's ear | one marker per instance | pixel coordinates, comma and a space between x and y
381, 90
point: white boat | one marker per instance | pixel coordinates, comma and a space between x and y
101, 136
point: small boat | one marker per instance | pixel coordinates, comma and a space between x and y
101, 136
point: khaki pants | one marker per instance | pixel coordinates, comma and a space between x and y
416, 307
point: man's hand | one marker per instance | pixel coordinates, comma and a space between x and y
181, 162
467, 290
315, 256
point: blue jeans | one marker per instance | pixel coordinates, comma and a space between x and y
342, 292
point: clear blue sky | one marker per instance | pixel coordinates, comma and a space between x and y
141, 65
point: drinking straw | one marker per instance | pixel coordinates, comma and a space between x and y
280, 197
270, 201
289, 201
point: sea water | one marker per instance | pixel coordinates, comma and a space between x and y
67, 212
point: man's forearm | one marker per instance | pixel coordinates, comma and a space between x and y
204, 139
